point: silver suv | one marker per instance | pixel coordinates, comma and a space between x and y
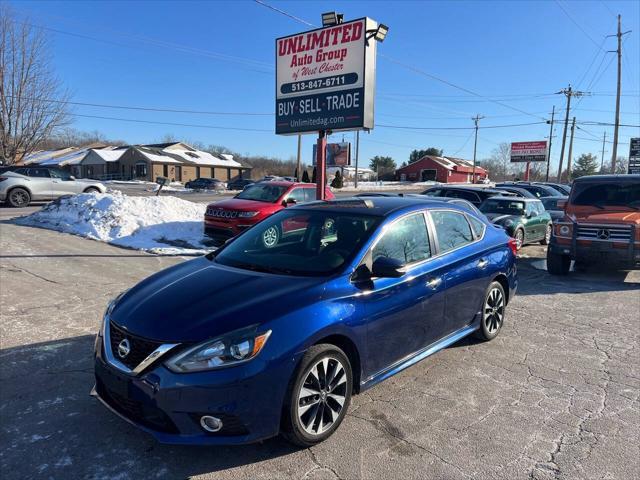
21, 185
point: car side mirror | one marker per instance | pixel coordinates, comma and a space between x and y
532, 214
288, 201
71, 177
385, 267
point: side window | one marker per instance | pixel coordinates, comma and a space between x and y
477, 226
39, 172
61, 174
297, 194
433, 193
469, 196
539, 208
531, 209
407, 240
452, 229
21, 171
309, 194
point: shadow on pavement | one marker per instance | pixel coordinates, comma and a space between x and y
52, 428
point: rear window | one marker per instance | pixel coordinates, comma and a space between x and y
604, 194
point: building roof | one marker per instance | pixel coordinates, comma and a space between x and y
109, 154
450, 163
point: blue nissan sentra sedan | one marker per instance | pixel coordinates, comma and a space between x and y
263, 337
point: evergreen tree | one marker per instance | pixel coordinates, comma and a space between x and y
305, 177
585, 165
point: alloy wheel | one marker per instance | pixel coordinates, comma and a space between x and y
19, 198
519, 239
270, 237
322, 396
493, 310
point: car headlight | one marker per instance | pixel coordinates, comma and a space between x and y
564, 230
107, 313
231, 349
247, 214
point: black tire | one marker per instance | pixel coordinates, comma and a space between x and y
493, 312
92, 190
557, 264
293, 427
271, 236
519, 237
19, 197
547, 235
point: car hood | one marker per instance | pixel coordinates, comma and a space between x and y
242, 204
623, 216
200, 299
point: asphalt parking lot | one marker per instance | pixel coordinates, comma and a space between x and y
556, 395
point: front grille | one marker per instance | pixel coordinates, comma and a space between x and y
620, 233
140, 348
146, 415
221, 213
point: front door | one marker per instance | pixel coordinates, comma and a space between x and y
62, 184
467, 267
403, 313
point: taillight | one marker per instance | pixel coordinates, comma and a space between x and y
513, 246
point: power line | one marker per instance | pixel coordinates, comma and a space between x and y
217, 127
297, 19
146, 109
577, 24
408, 127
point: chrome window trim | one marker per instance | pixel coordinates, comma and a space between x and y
114, 362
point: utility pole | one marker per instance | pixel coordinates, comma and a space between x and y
604, 140
573, 127
357, 154
614, 150
299, 165
475, 119
553, 112
568, 92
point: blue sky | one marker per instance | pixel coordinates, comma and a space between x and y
219, 56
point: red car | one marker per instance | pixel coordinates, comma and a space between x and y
227, 218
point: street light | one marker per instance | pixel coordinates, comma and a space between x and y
331, 18
378, 34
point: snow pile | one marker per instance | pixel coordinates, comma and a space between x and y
156, 224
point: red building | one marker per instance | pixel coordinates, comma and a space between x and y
440, 169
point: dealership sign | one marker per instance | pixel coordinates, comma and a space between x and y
325, 79
529, 151
634, 156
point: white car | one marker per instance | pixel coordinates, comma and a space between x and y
21, 185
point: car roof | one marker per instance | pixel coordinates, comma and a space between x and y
467, 189
287, 183
379, 206
516, 199
608, 178
562, 197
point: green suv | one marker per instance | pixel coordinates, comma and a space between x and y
525, 219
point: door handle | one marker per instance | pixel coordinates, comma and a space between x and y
434, 282
483, 262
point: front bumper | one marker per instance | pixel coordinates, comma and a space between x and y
614, 254
247, 398
225, 228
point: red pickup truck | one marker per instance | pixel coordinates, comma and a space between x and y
601, 223
227, 218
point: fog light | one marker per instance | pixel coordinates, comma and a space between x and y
211, 424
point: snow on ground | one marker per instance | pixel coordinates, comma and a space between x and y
156, 224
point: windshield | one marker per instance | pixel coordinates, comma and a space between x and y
299, 242
623, 194
263, 192
505, 207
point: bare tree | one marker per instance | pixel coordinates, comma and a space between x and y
32, 101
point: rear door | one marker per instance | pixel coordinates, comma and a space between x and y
40, 183
403, 314
466, 263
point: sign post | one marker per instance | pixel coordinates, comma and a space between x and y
325, 82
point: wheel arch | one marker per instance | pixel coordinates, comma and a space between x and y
24, 187
502, 279
350, 349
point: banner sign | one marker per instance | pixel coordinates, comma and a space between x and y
338, 154
529, 151
634, 156
325, 79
